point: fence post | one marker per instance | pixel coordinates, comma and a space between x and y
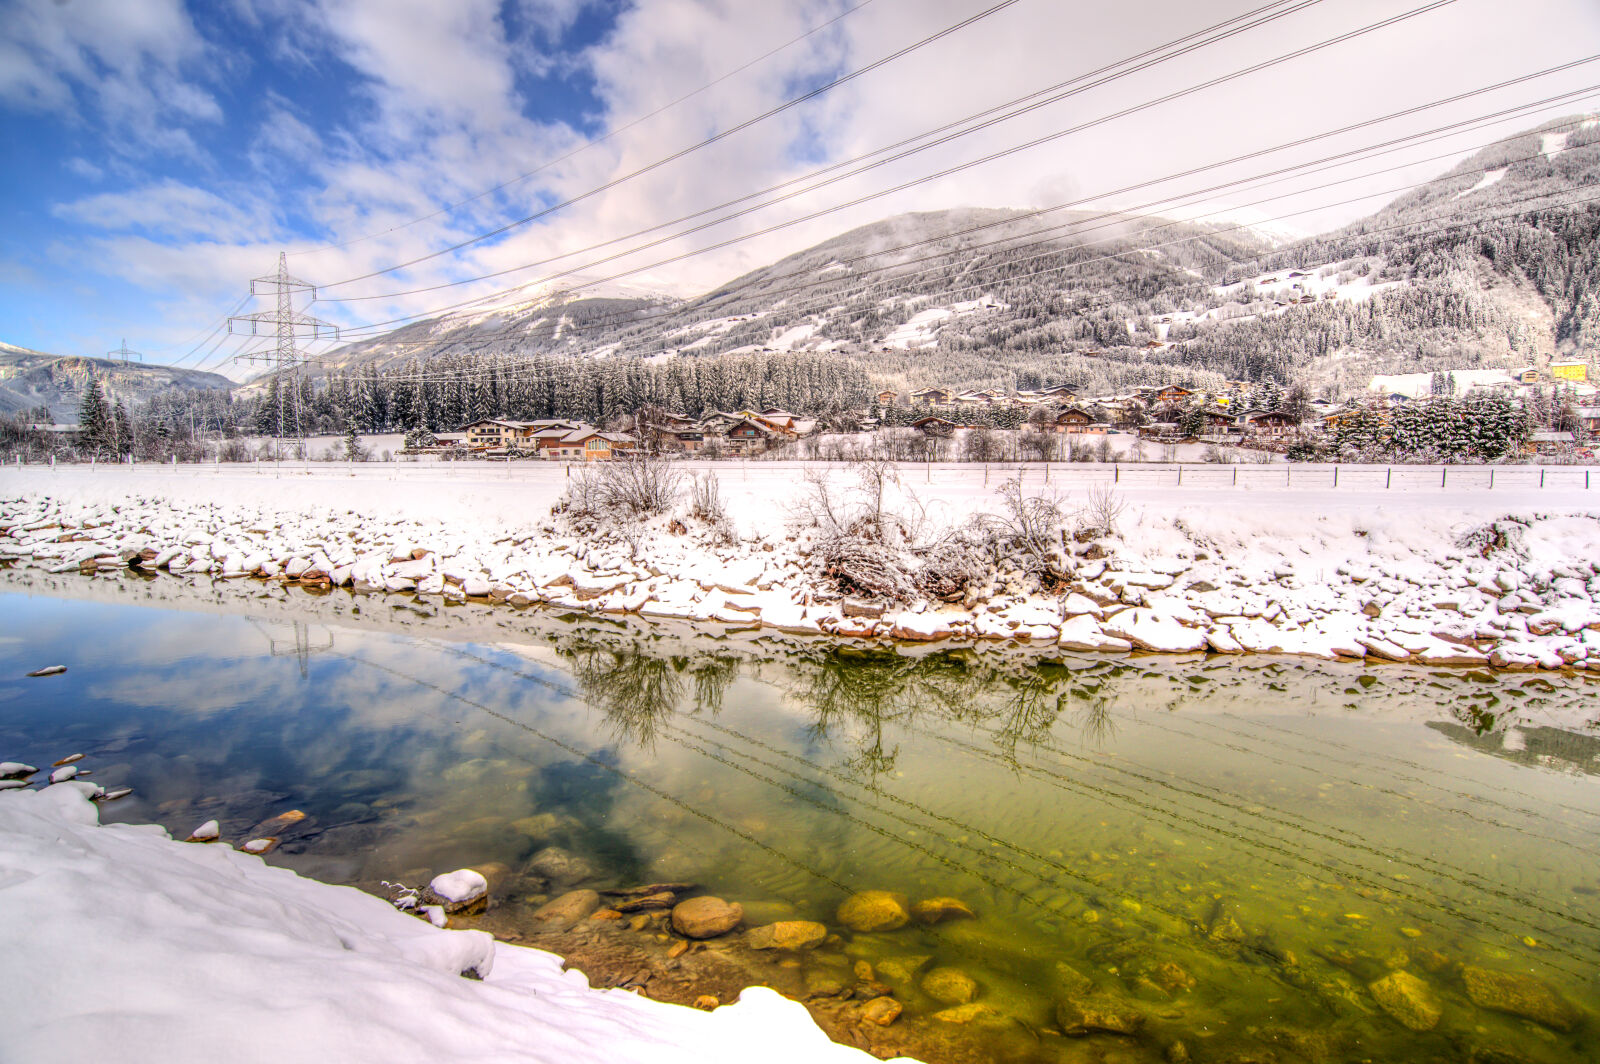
1116, 472
1541, 476
1444, 472
1336, 476
1180, 474
1288, 475
1387, 474
1236, 476
1491, 478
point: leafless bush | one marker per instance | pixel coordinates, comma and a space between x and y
862, 566
1103, 451
983, 445
639, 485
952, 567
1078, 450
1039, 445
1029, 529
705, 502
1100, 511
863, 540
1223, 454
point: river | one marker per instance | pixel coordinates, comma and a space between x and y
1230, 858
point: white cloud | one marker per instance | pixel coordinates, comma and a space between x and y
168, 209
125, 63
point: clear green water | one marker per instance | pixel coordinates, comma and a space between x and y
1279, 834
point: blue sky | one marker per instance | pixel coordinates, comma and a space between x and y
160, 153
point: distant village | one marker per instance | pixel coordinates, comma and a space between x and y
1245, 415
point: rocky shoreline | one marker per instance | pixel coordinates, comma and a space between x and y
1521, 591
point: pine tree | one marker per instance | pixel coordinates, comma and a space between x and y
122, 430
94, 418
352, 442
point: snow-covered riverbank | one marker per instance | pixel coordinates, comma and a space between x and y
124, 944
1463, 578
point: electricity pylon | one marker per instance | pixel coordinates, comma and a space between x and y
124, 353
288, 325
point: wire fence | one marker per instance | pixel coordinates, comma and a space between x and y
1173, 476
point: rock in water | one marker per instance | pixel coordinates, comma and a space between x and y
1408, 999
49, 670
882, 1011
62, 775
874, 910
1520, 995
68, 760
210, 831
938, 910
1081, 1016
951, 986
113, 795
457, 892
260, 847
12, 785
787, 934
568, 909
705, 917
11, 770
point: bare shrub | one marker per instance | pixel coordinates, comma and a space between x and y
705, 503
952, 567
639, 485
1103, 451
1100, 511
1220, 454
1078, 450
1029, 530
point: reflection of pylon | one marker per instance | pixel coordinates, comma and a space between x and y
287, 326
124, 353
299, 644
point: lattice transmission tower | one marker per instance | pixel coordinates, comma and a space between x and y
288, 325
125, 353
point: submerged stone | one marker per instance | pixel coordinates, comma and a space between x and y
952, 986
569, 908
938, 910
874, 910
902, 969
787, 934
1407, 999
1520, 995
1084, 1015
705, 917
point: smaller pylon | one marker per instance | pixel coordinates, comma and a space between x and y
125, 353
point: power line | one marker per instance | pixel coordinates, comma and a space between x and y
713, 139
993, 157
1055, 93
1100, 196
597, 140
288, 325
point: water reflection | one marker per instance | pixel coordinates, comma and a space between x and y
1235, 849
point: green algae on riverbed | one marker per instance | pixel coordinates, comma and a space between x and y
1206, 860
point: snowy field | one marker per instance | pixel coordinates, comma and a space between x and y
123, 944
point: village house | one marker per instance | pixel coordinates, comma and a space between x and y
748, 436
1590, 416
1569, 371
886, 398
937, 427
931, 397
1270, 423
1549, 443
1074, 420
494, 434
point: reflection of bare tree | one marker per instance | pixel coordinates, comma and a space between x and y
1030, 709
712, 674
1093, 717
864, 689
635, 691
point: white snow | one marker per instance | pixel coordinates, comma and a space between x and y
1552, 143
1417, 385
1489, 177
923, 327
125, 945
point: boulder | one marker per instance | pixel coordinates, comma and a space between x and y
950, 986
938, 910
902, 969
705, 917
460, 891
559, 865
1408, 999
569, 908
787, 934
874, 910
1520, 995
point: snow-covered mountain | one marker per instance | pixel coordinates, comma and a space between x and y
1454, 271
30, 379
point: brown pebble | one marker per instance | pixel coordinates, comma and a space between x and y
707, 1002
679, 948
638, 923
863, 971
605, 914
882, 1011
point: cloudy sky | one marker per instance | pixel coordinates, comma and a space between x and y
159, 153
